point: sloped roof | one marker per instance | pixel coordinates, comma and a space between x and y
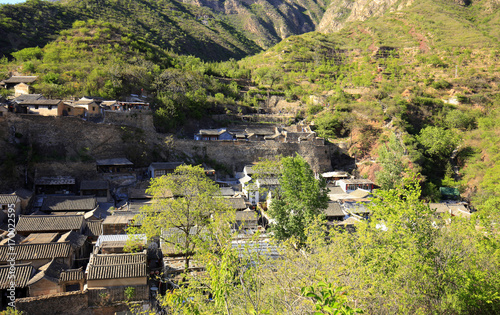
94, 228
40, 223
266, 131
50, 271
115, 161
117, 266
20, 79
334, 210
55, 180
359, 193
75, 239
227, 191
247, 215
8, 199
212, 132
40, 102
23, 274
237, 203
37, 238
28, 97
69, 203
94, 185
36, 251
23, 193
71, 275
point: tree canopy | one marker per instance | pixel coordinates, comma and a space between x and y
185, 203
299, 202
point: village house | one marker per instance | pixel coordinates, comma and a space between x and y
246, 219
23, 274
260, 133
43, 107
55, 185
15, 80
52, 204
46, 280
214, 134
50, 224
9, 201
116, 165
84, 107
25, 196
349, 185
38, 254
80, 244
97, 188
133, 104
94, 230
118, 222
334, 212
157, 169
116, 270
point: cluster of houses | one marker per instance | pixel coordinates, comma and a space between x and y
291, 134
86, 107
71, 234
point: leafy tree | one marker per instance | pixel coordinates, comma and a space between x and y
299, 202
391, 158
182, 221
438, 142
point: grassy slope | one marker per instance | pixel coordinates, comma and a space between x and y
442, 51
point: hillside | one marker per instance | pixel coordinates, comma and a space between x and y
430, 67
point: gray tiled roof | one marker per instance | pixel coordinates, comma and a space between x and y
69, 203
28, 97
94, 185
40, 102
55, 180
8, 199
35, 251
334, 210
50, 271
75, 239
117, 266
94, 228
20, 79
247, 215
237, 203
49, 223
71, 275
23, 274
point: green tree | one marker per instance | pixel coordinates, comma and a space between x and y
299, 202
438, 142
391, 158
184, 204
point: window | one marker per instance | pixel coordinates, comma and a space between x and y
69, 109
50, 107
93, 108
36, 106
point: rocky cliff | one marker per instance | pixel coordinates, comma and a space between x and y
268, 21
340, 12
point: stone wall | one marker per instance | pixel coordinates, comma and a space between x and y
57, 304
236, 154
103, 296
139, 119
